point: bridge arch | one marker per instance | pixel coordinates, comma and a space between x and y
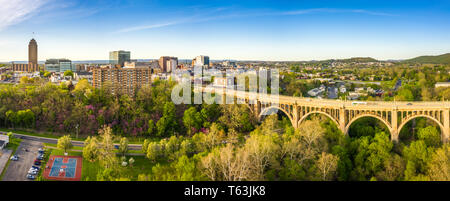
386, 123
405, 121
279, 108
317, 112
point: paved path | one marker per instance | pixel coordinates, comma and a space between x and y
17, 170
5, 155
77, 150
55, 141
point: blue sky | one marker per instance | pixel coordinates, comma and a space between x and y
226, 29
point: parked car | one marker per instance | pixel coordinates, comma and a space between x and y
15, 158
37, 162
40, 157
35, 167
32, 171
30, 176
359, 103
41, 151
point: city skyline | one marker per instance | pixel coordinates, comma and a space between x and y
267, 31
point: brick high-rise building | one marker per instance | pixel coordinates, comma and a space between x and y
167, 63
123, 80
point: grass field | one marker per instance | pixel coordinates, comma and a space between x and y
141, 166
90, 169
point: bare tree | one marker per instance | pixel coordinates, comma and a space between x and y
226, 164
209, 166
393, 169
439, 165
311, 133
327, 165
261, 149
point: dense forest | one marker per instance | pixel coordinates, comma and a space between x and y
223, 142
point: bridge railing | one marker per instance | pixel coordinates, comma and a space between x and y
328, 102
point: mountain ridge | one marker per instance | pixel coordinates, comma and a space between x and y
439, 59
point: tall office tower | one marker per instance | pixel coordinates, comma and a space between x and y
33, 52
201, 61
119, 57
32, 65
166, 63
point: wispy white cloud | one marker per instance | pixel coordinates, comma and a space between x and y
13, 12
171, 23
333, 10
199, 17
72, 9
151, 26
16, 11
217, 15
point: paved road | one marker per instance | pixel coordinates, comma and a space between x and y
360, 82
17, 170
55, 141
398, 85
332, 93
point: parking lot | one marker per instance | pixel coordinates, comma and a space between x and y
17, 170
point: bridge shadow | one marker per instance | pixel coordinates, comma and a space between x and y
409, 131
367, 126
282, 117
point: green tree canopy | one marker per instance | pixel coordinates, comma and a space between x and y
65, 143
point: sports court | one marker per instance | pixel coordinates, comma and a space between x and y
63, 168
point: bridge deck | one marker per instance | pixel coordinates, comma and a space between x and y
388, 105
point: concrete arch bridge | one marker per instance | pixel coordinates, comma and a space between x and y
395, 115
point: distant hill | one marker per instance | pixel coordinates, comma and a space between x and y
359, 59
351, 60
441, 59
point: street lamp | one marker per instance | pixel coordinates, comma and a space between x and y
77, 129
